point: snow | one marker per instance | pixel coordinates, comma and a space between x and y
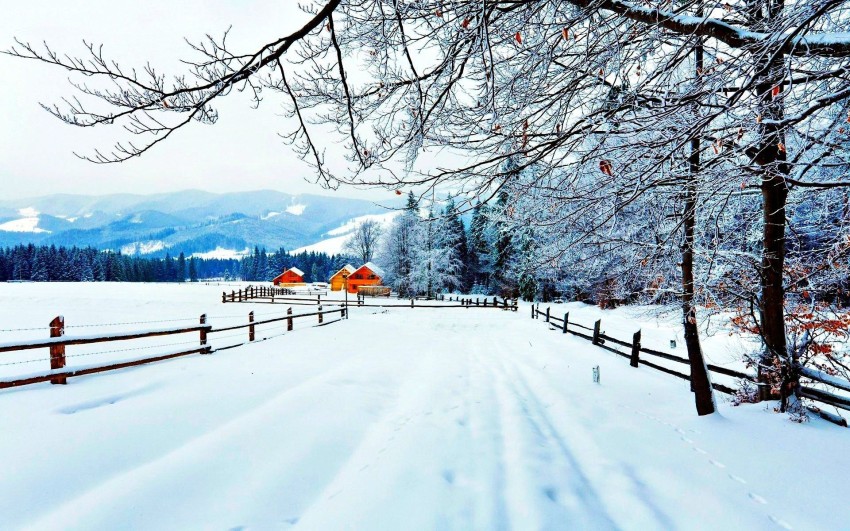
223, 254
373, 268
296, 210
395, 419
147, 247
328, 246
349, 226
339, 235
296, 271
270, 215
29, 224
28, 212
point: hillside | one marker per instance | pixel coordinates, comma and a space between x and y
191, 221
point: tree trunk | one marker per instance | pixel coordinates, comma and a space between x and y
774, 370
699, 373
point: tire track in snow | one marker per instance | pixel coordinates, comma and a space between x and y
225, 439
566, 495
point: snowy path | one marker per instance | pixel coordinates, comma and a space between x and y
410, 419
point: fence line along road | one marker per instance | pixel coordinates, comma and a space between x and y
274, 295
596, 336
58, 341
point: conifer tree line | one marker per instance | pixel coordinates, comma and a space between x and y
428, 251
74, 264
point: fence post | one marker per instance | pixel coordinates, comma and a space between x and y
223, 297
57, 352
344, 313
232, 296
596, 326
532, 311
320, 314
203, 334
251, 327
566, 321
411, 302
635, 359
289, 319
547, 313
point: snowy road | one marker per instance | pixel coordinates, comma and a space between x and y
409, 419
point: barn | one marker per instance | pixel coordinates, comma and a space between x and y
337, 281
291, 277
366, 275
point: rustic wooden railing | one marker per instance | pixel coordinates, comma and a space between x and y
269, 295
58, 342
599, 338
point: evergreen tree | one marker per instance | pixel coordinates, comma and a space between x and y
181, 267
193, 270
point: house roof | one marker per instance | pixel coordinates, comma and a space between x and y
373, 268
348, 268
296, 271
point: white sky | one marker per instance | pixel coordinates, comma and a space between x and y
241, 152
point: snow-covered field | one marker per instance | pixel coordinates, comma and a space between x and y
393, 419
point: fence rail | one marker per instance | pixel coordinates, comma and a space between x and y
273, 295
599, 339
58, 341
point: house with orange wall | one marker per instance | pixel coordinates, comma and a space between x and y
366, 275
337, 281
291, 277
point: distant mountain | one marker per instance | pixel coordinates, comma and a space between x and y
190, 221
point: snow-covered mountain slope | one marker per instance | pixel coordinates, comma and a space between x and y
334, 240
454, 419
192, 221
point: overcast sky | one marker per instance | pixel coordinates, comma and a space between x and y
241, 152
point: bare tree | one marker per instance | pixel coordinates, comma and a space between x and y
363, 243
597, 97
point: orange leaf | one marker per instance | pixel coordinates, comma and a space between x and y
518, 37
566, 34
438, 13
465, 23
781, 147
605, 167
776, 90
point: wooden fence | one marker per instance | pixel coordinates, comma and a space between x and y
58, 341
598, 337
270, 295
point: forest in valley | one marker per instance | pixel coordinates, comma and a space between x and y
60, 264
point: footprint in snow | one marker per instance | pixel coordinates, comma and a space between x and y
551, 493
739, 479
780, 522
699, 450
689, 441
449, 476
756, 498
718, 464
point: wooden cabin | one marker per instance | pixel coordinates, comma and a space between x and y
337, 281
366, 275
291, 277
